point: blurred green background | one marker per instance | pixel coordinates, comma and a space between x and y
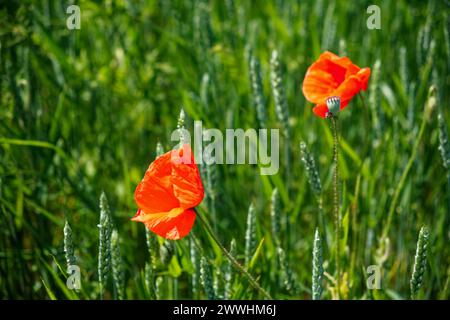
81, 112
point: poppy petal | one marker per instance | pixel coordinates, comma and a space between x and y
142, 216
172, 226
363, 76
154, 193
318, 85
342, 62
344, 104
352, 85
186, 181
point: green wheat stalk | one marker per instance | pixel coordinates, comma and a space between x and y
276, 79
312, 174
281, 106
181, 126
218, 284
104, 253
423, 42
159, 282
68, 246
311, 169
206, 279
329, 28
275, 216
374, 99
403, 67
287, 274
204, 35
159, 149
250, 234
444, 143
152, 246
447, 39
117, 266
229, 274
317, 267
150, 281
204, 91
420, 262
195, 261
258, 92
444, 149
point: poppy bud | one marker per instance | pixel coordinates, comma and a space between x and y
334, 105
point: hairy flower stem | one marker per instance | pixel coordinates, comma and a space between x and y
337, 220
232, 260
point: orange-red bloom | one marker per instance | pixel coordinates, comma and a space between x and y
167, 194
330, 76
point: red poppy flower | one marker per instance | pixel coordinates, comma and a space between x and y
335, 76
167, 194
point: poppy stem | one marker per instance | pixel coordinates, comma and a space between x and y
337, 218
233, 261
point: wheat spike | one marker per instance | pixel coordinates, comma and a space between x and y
117, 266
104, 254
311, 169
68, 246
420, 262
229, 275
257, 91
317, 272
205, 275
250, 234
